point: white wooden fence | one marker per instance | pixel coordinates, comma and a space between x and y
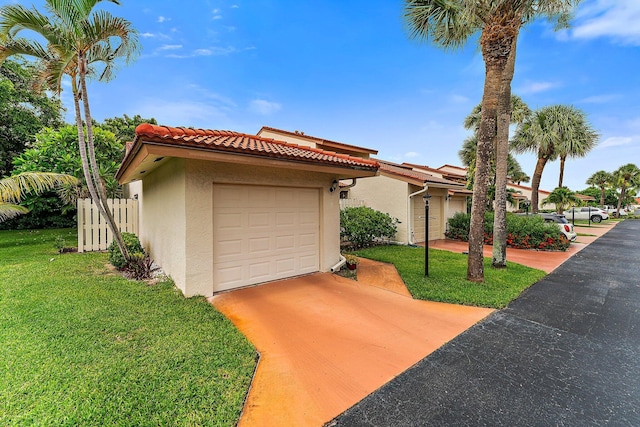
93, 231
351, 203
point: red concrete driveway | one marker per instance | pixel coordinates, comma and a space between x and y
326, 342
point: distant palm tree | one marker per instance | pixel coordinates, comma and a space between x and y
13, 188
601, 180
563, 198
449, 24
626, 177
545, 133
580, 139
76, 39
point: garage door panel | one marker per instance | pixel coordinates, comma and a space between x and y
263, 234
259, 219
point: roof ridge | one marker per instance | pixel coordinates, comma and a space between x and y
151, 130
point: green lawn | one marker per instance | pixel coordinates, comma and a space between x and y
447, 276
80, 345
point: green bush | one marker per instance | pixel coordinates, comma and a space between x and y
133, 245
362, 226
523, 232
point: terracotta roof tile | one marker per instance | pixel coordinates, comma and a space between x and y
319, 140
240, 143
407, 172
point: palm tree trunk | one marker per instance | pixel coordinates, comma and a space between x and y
101, 194
486, 136
499, 252
602, 196
623, 194
535, 182
561, 178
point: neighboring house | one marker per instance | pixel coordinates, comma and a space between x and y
222, 210
523, 193
398, 191
299, 138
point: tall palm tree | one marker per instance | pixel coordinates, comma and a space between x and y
626, 177
580, 139
601, 180
449, 24
503, 162
542, 133
77, 38
562, 197
13, 188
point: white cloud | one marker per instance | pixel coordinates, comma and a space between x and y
182, 113
161, 19
411, 155
263, 107
614, 141
147, 35
535, 87
234, 6
216, 17
459, 99
617, 19
213, 51
170, 47
599, 99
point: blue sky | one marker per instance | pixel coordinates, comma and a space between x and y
347, 71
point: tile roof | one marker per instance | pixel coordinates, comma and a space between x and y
299, 134
404, 171
240, 143
510, 184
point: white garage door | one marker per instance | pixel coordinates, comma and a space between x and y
435, 218
263, 233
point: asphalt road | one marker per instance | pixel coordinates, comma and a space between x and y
565, 353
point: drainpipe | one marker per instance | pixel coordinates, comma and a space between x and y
353, 184
339, 264
409, 214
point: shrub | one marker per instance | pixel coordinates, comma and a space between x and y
139, 267
362, 226
133, 245
523, 232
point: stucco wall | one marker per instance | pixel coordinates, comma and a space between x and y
386, 195
196, 178
162, 219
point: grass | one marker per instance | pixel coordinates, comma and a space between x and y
80, 345
447, 276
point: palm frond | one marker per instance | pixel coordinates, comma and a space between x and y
8, 211
14, 187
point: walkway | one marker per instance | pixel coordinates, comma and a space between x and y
326, 342
564, 353
546, 261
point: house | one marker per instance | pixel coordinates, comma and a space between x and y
222, 210
523, 193
398, 191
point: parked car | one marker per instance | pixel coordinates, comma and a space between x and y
613, 210
585, 213
565, 226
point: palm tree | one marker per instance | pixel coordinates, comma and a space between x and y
13, 188
542, 133
578, 142
77, 38
601, 180
562, 197
449, 24
626, 177
503, 167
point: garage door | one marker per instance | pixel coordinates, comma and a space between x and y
435, 218
263, 233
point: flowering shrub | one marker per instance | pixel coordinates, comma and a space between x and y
523, 232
